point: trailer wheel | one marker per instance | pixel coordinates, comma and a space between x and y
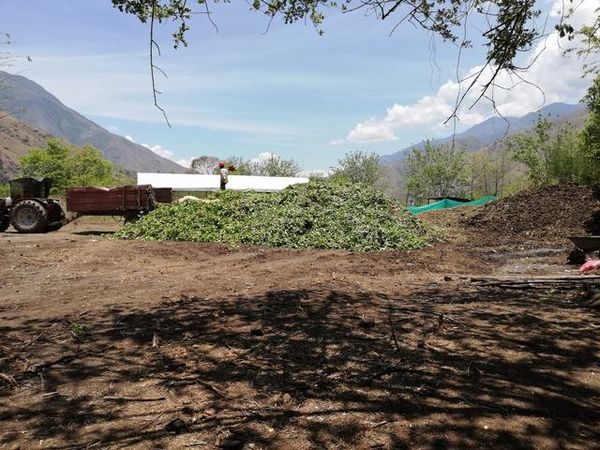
29, 217
4, 223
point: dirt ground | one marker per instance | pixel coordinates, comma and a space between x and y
110, 344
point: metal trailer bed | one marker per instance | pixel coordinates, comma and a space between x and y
127, 201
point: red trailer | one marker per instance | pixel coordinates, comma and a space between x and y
128, 201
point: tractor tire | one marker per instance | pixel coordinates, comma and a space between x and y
29, 216
4, 224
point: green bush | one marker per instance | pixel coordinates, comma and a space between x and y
319, 214
70, 166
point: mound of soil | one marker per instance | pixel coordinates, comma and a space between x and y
548, 214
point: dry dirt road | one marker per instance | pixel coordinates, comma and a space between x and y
109, 344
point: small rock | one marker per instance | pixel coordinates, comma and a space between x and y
447, 278
176, 426
257, 331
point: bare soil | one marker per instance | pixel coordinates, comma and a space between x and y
110, 344
547, 214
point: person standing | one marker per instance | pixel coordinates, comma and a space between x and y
224, 173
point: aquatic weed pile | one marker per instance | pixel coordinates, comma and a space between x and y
319, 214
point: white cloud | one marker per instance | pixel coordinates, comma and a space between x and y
160, 151
116, 86
552, 78
168, 154
187, 163
372, 131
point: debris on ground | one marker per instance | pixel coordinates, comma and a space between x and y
469, 343
590, 266
318, 214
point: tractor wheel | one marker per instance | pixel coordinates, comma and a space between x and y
4, 223
29, 216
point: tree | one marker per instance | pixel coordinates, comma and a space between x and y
275, 166
589, 36
269, 166
551, 156
205, 164
359, 167
69, 166
435, 171
487, 172
242, 166
591, 132
508, 27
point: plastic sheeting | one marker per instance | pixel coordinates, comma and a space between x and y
447, 203
196, 182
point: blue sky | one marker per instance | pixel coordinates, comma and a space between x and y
243, 91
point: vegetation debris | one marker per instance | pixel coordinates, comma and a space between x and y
319, 214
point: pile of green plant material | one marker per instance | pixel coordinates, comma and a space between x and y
319, 214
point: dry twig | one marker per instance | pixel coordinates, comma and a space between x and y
7, 378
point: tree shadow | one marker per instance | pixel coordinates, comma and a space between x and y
313, 368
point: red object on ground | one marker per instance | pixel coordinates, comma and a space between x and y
589, 266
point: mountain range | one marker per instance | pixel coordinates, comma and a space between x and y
490, 131
36, 112
29, 115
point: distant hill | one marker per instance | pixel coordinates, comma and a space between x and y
489, 131
28, 102
16, 139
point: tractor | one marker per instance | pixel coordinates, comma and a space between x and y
28, 209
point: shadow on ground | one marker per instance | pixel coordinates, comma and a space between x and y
93, 233
311, 369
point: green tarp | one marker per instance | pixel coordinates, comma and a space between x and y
447, 203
